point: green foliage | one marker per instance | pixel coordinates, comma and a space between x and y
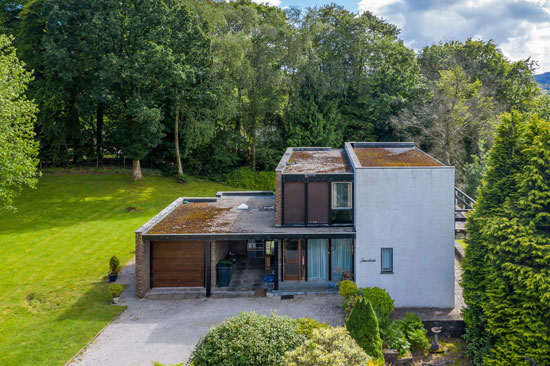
517, 306
249, 179
414, 330
395, 338
379, 298
363, 327
306, 326
248, 339
328, 347
504, 162
349, 292
115, 289
114, 265
18, 150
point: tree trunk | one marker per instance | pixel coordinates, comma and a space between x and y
99, 134
137, 170
177, 139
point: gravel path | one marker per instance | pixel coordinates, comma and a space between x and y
167, 331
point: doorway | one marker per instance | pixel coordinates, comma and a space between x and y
294, 262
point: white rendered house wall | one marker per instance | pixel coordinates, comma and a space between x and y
412, 211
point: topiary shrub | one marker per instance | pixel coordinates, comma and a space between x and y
380, 300
248, 339
115, 289
348, 291
362, 325
415, 332
306, 326
114, 265
328, 347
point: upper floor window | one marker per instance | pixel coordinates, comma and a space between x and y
341, 195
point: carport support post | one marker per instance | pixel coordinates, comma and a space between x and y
276, 264
208, 266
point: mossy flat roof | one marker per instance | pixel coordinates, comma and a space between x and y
318, 161
394, 157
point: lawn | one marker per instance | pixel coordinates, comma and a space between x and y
54, 257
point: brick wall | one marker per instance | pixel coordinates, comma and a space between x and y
143, 258
278, 199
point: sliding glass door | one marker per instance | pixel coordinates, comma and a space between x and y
317, 259
341, 257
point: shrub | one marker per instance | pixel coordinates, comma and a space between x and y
114, 265
363, 327
395, 338
380, 300
115, 289
413, 328
250, 179
248, 339
306, 326
328, 347
348, 291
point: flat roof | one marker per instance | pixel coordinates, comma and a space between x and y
221, 216
314, 160
395, 154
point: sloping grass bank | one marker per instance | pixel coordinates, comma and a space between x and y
54, 254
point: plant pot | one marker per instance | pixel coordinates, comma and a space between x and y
116, 299
113, 277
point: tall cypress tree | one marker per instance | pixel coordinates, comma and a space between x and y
362, 325
500, 182
518, 281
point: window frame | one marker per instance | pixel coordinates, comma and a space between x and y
333, 196
382, 270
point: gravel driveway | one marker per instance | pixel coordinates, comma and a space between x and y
167, 330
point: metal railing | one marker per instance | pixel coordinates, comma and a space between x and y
463, 202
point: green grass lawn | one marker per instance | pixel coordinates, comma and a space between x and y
54, 255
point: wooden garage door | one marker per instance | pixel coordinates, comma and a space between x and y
178, 263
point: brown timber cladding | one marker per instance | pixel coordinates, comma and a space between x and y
294, 203
317, 202
178, 264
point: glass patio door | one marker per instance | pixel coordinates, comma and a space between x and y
317, 259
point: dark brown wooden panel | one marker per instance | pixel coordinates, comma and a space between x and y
294, 201
178, 264
317, 202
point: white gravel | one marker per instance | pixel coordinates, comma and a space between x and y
167, 330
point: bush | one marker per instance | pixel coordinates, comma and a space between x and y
250, 179
114, 265
413, 328
115, 289
380, 300
363, 327
248, 339
395, 338
348, 291
328, 347
306, 326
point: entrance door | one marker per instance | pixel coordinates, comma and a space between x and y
293, 259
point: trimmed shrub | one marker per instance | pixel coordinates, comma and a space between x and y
114, 265
248, 339
328, 347
362, 325
115, 289
348, 291
306, 326
250, 179
380, 300
414, 329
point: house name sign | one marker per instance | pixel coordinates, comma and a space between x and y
367, 260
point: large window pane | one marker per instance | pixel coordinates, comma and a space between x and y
317, 259
341, 257
341, 195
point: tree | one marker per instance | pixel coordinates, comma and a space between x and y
504, 162
518, 280
18, 150
362, 325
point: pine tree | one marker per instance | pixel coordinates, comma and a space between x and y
518, 282
500, 182
362, 325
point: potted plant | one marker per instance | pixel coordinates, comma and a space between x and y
115, 290
114, 268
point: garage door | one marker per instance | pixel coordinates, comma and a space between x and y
178, 264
